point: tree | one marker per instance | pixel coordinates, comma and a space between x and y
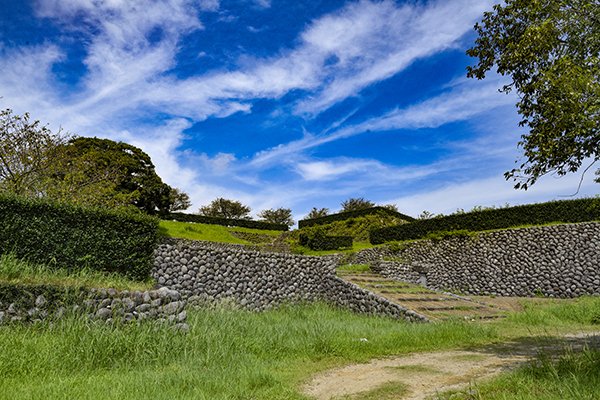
426, 215
317, 213
25, 153
357, 203
178, 200
282, 216
391, 207
551, 51
224, 208
124, 172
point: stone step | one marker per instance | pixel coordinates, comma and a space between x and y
448, 308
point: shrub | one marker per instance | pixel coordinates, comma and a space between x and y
318, 240
73, 237
566, 211
352, 214
245, 223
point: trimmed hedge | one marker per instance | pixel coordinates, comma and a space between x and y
245, 223
568, 211
72, 237
352, 214
319, 241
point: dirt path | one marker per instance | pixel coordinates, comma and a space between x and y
426, 374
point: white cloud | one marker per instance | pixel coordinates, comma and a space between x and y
263, 3
370, 42
464, 101
491, 191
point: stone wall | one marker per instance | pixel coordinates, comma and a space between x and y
35, 303
260, 280
556, 261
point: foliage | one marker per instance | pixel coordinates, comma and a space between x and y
356, 203
212, 232
201, 219
579, 210
343, 216
73, 237
18, 272
317, 239
567, 376
235, 354
178, 200
25, 153
227, 353
281, 216
358, 227
551, 51
317, 213
426, 215
128, 168
225, 208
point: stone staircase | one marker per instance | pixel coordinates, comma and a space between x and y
433, 304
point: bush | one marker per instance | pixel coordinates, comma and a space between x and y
318, 240
567, 211
352, 214
73, 237
245, 223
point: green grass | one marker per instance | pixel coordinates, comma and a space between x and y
235, 354
15, 271
228, 353
356, 246
208, 232
574, 376
354, 268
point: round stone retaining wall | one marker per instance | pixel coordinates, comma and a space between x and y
203, 271
555, 261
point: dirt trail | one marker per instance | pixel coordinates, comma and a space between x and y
426, 374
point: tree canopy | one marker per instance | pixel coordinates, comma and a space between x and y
317, 213
282, 216
129, 170
25, 153
356, 203
551, 51
225, 208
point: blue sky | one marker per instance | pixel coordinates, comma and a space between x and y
278, 103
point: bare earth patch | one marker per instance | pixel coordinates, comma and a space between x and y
426, 374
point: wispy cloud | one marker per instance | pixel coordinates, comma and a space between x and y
369, 42
464, 100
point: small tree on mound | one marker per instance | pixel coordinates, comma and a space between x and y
317, 213
282, 216
356, 203
224, 208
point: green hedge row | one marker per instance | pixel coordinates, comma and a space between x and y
352, 214
245, 223
567, 211
319, 241
74, 237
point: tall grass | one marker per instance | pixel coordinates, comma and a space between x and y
574, 376
13, 270
227, 354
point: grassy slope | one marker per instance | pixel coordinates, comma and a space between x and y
211, 233
234, 354
19, 272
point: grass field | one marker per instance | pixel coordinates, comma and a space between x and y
208, 232
234, 354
